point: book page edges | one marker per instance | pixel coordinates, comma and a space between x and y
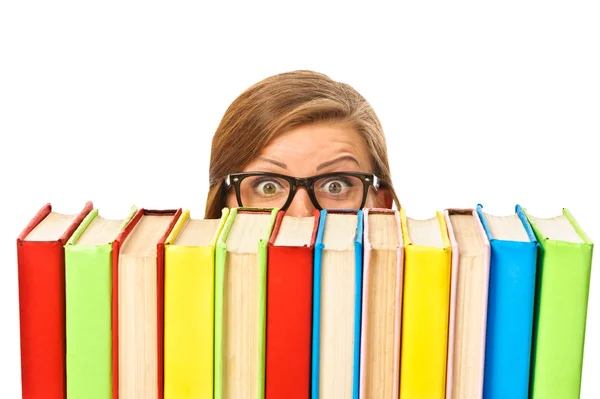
181, 222
185, 216
454, 286
277, 225
367, 248
586, 241
44, 212
447, 246
395, 213
137, 215
222, 240
82, 227
89, 219
264, 241
454, 260
520, 214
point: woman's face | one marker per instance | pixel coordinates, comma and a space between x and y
314, 149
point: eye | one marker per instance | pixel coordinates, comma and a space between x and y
336, 186
267, 187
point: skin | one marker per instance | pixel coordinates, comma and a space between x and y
314, 149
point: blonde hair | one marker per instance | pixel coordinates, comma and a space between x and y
278, 104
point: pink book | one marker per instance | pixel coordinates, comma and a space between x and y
383, 267
468, 303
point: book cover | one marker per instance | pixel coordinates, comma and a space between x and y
237, 336
345, 374
41, 271
289, 306
88, 294
426, 307
511, 293
564, 267
383, 270
140, 259
468, 303
189, 307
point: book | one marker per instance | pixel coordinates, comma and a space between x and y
383, 269
189, 307
41, 274
564, 267
289, 306
240, 303
426, 307
511, 293
137, 314
467, 331
88, 296
337, 291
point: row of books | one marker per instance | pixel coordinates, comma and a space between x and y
341, 304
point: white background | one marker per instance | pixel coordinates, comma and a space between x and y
116, 102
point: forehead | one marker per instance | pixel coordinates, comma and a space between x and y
304, 149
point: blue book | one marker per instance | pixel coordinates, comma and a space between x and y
511, 300
337, 305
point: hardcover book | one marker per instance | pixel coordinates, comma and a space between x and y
289, 306
240, 303
88, 292
511, 297
426, 307
189, 307
337, 305
138, 285
41, 270
383, 267
564, 268
471, 249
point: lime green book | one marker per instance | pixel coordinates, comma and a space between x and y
241, 302
564, 267
88, 304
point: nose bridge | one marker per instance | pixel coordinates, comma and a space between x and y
301, 204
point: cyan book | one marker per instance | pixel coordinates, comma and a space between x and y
511, 296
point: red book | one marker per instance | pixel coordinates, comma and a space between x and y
289, 306
138, 304
41, 264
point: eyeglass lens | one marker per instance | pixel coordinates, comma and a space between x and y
334, 192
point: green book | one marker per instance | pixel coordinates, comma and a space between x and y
564, 267
88, 305
241, 303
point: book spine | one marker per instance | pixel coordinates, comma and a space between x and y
358, 273
189, 321
562, 298
41, 276
289, 312
367, 248
88, 275
509, 319
220, 258
316, 336
425, 322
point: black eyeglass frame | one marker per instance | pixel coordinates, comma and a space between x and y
367, 179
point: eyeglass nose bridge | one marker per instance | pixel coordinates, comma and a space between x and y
302, 182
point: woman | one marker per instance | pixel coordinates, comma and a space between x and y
299, 141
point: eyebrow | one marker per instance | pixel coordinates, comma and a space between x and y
276, 163
336, 160
319, 167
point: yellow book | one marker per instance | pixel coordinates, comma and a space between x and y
426, 307
189, 307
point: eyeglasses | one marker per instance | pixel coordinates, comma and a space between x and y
338, 190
